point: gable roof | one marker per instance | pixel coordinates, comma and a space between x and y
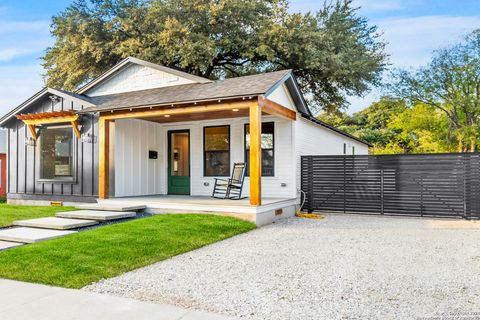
131, 60
231, 88
42, 93
203, 90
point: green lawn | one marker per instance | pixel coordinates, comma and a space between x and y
77, 260
9, 213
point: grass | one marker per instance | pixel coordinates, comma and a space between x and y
80, 259
10, 213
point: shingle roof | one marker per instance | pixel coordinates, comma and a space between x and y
221, 89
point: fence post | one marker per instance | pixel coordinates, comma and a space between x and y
382, 208
310, 185
421, 197
464, 159
344, 184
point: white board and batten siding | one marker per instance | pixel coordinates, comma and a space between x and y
136, 77
135, 174
313, 139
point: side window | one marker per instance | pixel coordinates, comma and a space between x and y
268, 149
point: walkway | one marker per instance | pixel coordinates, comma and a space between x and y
26, 301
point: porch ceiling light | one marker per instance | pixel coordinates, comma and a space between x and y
167, 116
235, 110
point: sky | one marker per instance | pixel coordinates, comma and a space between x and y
413, 29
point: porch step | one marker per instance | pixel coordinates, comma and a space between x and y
98, 215
8, 244
55, 223
111, 207
31, 235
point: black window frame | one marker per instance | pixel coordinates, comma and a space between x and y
67, 179
247, 167
229, 150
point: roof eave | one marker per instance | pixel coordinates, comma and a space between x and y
326, 125
176, 103
37, 96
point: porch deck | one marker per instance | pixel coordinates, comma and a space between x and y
270, 209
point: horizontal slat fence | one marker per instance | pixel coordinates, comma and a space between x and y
446, 184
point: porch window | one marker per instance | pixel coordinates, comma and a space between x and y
268, 146
56, 153
216, 146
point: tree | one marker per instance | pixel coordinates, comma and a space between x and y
393, 127
333, 52
370, 124
420, 129
449, 83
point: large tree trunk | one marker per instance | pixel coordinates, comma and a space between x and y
473, 144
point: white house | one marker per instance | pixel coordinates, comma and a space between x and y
141, 132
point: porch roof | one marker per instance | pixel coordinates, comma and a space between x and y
247, 86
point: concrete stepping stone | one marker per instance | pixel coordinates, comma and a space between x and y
55, 223
7, 245
31, 235
111, 207
96, 215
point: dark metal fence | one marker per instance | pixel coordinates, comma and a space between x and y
420, 185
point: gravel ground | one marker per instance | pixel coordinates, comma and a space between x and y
342, 267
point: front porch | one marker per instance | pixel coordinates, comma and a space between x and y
270, 210
128, 139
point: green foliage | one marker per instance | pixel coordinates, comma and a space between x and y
370, 124
393, 127
80, 259
333, 52
450, 83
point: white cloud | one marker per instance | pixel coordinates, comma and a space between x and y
411, 41
8, 27
9, 54
18, 83
376, 6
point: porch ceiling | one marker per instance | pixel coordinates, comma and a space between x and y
213, 115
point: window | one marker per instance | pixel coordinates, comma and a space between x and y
268, 154
56, 153
216, 147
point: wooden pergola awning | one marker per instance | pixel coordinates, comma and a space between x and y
33, 120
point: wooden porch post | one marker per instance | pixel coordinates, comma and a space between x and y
255, 154
104, 157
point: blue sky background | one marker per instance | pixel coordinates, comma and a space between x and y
412, 28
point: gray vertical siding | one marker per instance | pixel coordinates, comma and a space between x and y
24, 161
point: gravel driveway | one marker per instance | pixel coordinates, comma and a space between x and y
342, 267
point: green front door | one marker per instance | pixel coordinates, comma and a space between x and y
179, 162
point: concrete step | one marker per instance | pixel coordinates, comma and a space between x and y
7, 245
98, 215
55, 223
31, 235
111, 207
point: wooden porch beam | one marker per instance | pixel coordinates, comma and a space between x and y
147, 113
104, 158
37, 122
76, 129
33, 131
273, 108
255, 160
